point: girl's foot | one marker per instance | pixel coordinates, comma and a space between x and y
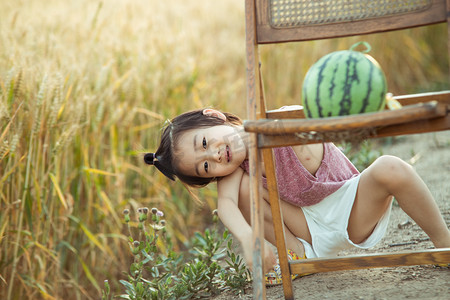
273, 277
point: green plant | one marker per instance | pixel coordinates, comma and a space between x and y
238, 275
158, 272
363, 155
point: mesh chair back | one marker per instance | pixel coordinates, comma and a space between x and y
301, 20
293, 13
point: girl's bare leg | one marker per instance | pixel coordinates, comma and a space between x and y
293, 217
390, 176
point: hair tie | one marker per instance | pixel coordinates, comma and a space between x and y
150, 158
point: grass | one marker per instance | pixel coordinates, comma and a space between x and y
85, 87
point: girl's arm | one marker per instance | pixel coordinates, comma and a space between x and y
232, 218
229, 213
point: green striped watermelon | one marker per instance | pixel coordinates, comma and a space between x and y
343, 83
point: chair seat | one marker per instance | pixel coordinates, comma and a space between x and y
410, 113
410, 119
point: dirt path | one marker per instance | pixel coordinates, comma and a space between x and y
430, 156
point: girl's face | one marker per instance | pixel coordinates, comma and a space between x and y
215, 151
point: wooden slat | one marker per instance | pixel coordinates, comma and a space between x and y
364, 261
297, 113
437, 124
252, 60
267, 34
406, 114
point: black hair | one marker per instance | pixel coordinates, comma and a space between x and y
163, 159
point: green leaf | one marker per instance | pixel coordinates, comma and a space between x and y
89, 275
127, 284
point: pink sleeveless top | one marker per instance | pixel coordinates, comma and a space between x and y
298, 186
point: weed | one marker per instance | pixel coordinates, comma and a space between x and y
158, 272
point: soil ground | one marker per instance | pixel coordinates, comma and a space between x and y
430, 155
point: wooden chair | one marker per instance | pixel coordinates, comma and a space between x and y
276, 21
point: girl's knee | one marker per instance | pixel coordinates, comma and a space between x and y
244, 201
389, 169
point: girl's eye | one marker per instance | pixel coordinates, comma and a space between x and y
204, 143
206, 166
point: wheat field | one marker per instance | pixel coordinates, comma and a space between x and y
85, 87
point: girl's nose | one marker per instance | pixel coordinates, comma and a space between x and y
217, 155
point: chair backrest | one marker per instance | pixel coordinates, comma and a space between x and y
302, 20
277, 21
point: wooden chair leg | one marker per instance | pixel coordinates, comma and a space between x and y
278, 223
257, 219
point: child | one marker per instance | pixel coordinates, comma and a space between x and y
327, 204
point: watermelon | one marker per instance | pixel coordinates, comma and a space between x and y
344, 83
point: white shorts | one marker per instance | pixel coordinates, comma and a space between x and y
328, 222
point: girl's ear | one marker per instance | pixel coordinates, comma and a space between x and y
214, 113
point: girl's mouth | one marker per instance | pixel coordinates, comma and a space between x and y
228, 151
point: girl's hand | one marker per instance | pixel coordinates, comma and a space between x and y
269, 260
